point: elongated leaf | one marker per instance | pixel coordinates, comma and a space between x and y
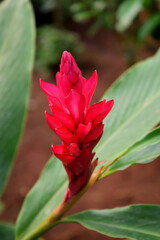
127, 12
143, 151
136, 109
16, 62
139, 222
47, 193
6, 231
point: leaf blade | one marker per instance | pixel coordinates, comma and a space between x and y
16, 62
135, 221
46, 194
144, 151
136, 109
126, 13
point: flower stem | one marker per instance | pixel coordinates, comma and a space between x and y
58, 212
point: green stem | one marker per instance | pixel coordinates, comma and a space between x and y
58, 212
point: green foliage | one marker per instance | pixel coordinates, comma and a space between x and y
149, 27
140, 17
100, 12
129, 10
52, 42
136, 110
6, 231
137, 222
47, 193
144, 151
16, 55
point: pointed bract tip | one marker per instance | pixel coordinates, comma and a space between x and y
46, 114
66, 57
41, 82
95, 76
95, 72
112, 102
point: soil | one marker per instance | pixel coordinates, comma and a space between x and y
137, 184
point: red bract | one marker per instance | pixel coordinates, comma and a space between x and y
78, 125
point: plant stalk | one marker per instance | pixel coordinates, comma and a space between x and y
61, 209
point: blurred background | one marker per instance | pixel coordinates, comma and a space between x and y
105, 35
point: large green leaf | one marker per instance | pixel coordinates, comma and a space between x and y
47, 193
6, 231
136, 109
125, 115
16, 62
127, 12
143, 151
139, 222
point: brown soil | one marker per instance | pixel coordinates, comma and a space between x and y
137, 184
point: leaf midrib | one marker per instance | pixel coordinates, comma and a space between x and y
126, 122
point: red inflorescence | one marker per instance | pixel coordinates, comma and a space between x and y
79, 126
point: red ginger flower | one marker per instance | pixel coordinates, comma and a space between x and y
78, 125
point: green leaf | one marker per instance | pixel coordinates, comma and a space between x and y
16, 62
137, 222
127, 12
83, 16
136, 109
47, 193
148, 27
143, 151
6, 231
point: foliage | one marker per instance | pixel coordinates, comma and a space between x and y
134, 222
43, 198
16, 62
120, 15
129, 134
136, 111
144, 151
147, 12
99, 12
51, 42
138, 16
14, 77
127, 12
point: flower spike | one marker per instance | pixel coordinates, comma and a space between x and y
79, 126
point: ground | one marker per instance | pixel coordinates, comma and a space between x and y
137, 184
